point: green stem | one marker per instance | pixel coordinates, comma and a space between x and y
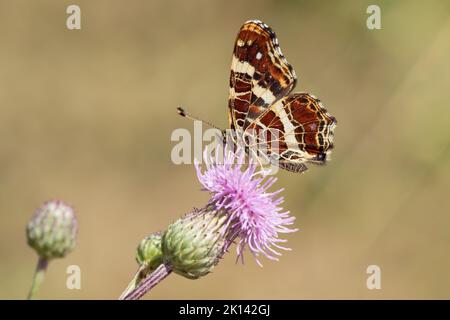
38, 277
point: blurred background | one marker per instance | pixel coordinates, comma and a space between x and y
86, 116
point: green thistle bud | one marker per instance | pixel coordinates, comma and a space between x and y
149, 257
193, 245
149, 254
52, 230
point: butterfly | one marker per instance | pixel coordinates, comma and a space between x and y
260, 101
294, 128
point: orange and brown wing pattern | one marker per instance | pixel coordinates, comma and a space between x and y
303, 131
260, 74
295, 129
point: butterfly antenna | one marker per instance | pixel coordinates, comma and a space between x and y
184, 114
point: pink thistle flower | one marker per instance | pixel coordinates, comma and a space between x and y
241, 209
255, 217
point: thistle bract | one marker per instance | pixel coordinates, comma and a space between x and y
52, 230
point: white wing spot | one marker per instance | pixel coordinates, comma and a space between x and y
258, 55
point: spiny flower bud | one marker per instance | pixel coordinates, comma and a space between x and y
193, 245
52, 230
149, 254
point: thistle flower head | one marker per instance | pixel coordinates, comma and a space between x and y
52, 230
255, 217
240, 208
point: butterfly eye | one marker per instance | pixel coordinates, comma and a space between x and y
322, 157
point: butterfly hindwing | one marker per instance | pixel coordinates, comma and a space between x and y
297, 130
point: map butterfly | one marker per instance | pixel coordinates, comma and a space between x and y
261, 103
260, 99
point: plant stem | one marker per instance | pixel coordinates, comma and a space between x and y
148, 283
38, 276
133, 283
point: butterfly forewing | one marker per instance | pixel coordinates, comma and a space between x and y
260, 74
